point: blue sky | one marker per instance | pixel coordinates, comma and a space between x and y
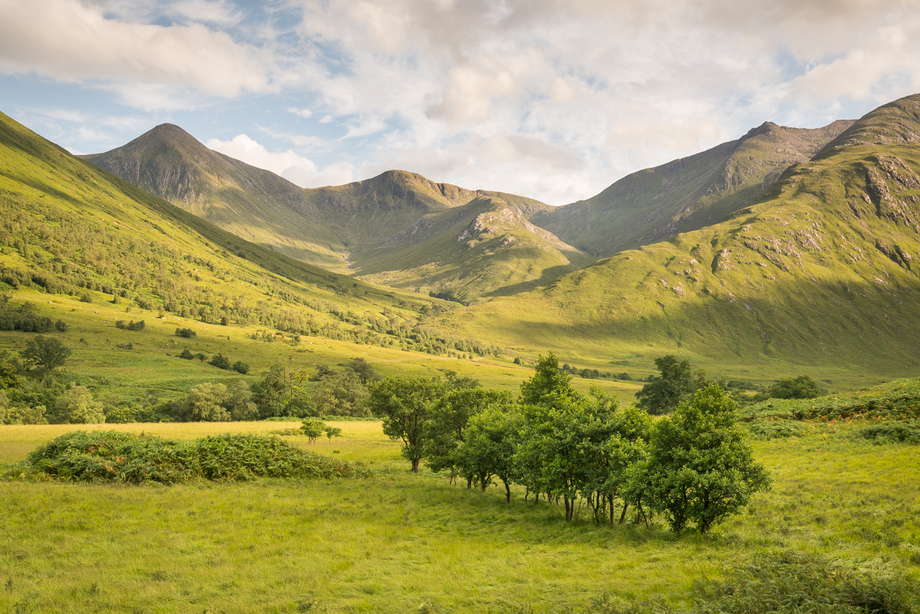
551, 99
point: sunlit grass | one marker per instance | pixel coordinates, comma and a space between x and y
394, 541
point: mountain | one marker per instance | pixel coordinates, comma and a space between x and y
822, 274
686, 194
484, 248
358, 228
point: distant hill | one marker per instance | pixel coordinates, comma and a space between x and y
686, 194
360, 228
823, 272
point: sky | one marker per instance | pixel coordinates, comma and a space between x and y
550, 99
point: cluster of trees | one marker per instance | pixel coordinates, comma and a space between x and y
218, 360
584, 452
132, 325
24, 318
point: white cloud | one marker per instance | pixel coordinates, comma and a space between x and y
294, 167
302, 113
73, 42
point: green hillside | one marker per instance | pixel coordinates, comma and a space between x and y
484, 248
687, 194
820, 276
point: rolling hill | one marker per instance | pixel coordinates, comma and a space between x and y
821, 274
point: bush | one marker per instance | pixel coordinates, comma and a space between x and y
188, 333
897, 432
186, 354
220, 361
801, 387
240, 367
777, 429
109, 456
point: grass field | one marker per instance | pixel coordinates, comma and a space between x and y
397, 542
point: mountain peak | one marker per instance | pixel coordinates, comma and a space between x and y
764, 128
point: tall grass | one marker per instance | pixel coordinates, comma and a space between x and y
398, 541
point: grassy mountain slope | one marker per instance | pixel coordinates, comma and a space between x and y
822, 274
252, 203
355, 228
486, 247
686, 194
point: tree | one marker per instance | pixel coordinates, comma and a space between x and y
404, 404
363, 369
801, 387
547, 381
662, 394
239, 402
340, 393
489, 446
700, 467
332, 431
205, 402
76, 406
312, 428
450, 415
46, 353
240, 367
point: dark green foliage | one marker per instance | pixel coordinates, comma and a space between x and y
363, 369
24, 318
46, 353
700, 469
489, 446
188, 333
801, 387
662, 394
132, 325
186, 354
892, 432
793, 583
404, 404
240, 367
446, 427
220, 361
109, 456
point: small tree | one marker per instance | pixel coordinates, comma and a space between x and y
548, 380
662, 394
312, 428
46, 353
488, 450
700, 467
404, 404
332, 431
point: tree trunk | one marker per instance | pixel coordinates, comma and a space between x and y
415, 463
623, 515
507, 493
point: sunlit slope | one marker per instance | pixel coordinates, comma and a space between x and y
687, 194
484, 248
71, 228
249, 202
823, 273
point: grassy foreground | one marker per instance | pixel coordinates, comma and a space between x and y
397, 542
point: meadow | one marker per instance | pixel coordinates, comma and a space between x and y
398, 542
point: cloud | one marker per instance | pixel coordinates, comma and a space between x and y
76, 43
288, 164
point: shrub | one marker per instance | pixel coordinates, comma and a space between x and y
188, 333
897, 432
801, 387
776, 429
109, 456
240, 367
186, 354
220, 361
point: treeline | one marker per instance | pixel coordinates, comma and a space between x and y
68, 254
584, 453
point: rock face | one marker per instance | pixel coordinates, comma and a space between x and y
686, 194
